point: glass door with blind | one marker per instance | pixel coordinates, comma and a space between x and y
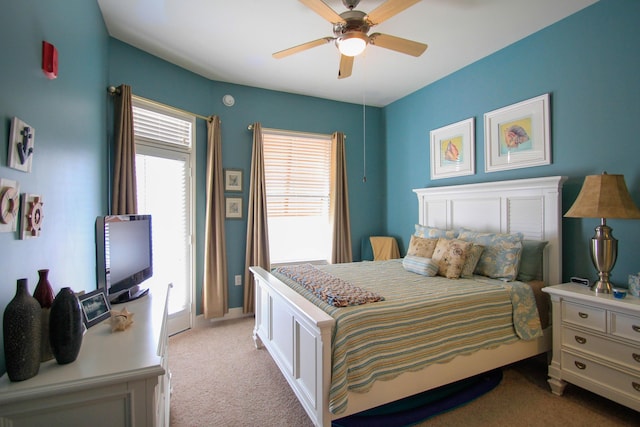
165, 141
163, 181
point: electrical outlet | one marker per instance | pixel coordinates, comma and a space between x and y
238, 279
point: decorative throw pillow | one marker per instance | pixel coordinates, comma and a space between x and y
531, 260
434, 233
421, 247
420, 265
450, 254
501, 256
473, 256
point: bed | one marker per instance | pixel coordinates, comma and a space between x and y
299, 334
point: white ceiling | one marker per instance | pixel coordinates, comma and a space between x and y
232, 41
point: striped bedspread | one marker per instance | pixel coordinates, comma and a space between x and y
423, 320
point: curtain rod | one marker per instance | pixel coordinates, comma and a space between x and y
116, 91
250, 127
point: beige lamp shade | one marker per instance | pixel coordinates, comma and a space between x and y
604, 196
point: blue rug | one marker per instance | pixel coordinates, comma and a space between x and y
414, 409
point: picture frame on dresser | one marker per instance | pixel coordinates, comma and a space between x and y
518, 135
452, 150
95, 307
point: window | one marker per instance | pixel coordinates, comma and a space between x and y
298, 177
164, 139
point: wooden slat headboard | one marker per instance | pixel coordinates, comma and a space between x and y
530, 206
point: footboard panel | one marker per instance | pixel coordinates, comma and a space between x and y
297, 334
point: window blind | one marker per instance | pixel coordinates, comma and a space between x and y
154, 126
297, 173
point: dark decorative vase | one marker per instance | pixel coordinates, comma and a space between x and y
44, 294
65, 326
22, 325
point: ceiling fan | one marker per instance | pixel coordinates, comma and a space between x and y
350, 30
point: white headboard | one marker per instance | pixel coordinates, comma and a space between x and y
530, 206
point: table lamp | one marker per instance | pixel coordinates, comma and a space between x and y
604, 196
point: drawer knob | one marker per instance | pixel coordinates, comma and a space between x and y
636, 385
580, 365
580, 340
585, 315
635, 328
636, 357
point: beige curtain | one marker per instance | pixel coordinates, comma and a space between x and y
214, 287
257, 251
124, 169
341, 250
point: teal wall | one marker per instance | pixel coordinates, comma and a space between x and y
589, 64
153, 78
68, 114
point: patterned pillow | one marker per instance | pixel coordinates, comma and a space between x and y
473, 256
421, 247
501, 256
450, 254
434, 233
531, 260
420, 265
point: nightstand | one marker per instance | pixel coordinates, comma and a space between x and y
596, 343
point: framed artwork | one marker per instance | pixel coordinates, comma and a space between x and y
233, 180
9, 205
233, 207
95, 307
21, 143
31, 215
518, 136
453, 150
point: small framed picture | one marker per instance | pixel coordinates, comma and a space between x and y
95, 307
233, 207
453, 150
233, 180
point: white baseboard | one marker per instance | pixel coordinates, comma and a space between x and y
234, 313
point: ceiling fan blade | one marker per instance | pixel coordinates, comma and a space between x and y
388, 9
302, 47
398, 44
346, 66
321, 8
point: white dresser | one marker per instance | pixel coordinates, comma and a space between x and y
596, 343
118, 379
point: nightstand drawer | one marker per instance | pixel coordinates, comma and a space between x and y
585, 316
625, 326
604, 348
602, 375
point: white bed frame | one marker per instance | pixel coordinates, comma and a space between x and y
297, 334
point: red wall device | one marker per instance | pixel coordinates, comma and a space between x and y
49, 60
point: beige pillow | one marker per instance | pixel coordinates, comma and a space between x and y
473, 256
421, 247
450, 254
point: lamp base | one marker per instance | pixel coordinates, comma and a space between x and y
604, 251
602, 287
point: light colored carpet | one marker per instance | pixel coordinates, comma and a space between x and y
220, 379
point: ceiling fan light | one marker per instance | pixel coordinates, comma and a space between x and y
352, 44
